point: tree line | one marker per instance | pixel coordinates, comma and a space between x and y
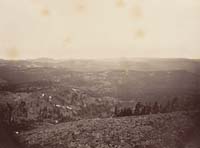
154, 108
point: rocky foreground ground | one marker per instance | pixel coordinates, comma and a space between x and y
173, 130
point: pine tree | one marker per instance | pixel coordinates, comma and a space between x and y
155, 108
138, 108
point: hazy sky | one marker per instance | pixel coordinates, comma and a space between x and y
99, 28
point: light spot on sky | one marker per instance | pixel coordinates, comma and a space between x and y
67, 41
45, 12
139, 34
80, 6
12, 53
136, 12
120, 3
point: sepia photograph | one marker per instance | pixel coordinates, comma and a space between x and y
99, 74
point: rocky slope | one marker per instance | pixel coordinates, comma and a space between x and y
174, 130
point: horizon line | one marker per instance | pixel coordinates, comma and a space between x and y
95, 58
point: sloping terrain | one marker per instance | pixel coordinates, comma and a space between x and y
174, 130
53, 105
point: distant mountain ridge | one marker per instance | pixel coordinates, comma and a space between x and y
140, 64
124, 78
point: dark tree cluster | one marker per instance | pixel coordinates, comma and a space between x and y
123, 112
10, 114
139, 109
149, 108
